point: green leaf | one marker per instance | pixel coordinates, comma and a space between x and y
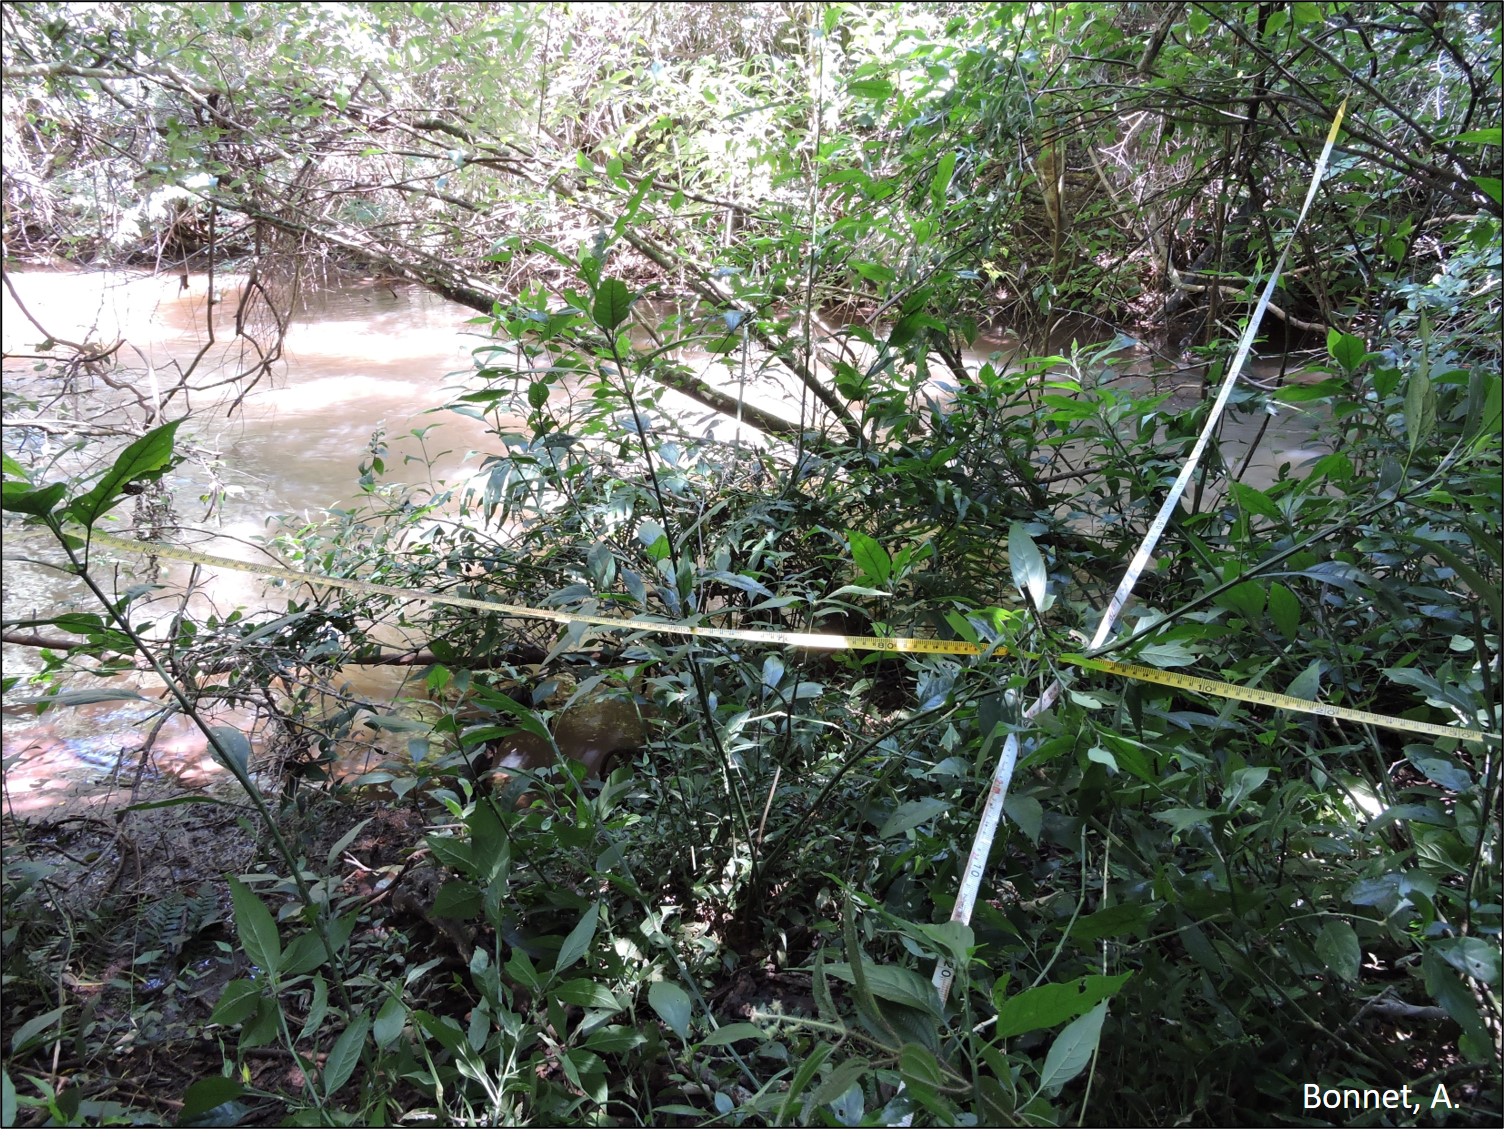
454, 853
750, 586
318, 1010
23, 875
1487, 136
8, 1104
1284, 610
613, 304
344, 1055
1243, 784
1027, 813
390, 1020
1442, 772
837, 1082
146, 458
586, 993
489, 838
1027, 563
735, 1032
262, 1026
257, 928
520, 970
1453, 996
228, 745
909, 326
1307, 684
870, 558
1184, 819
24, 499
206, 1094
651, 535
1254, 502
940, 184
31, 1032
1054, 1003
825, 1004
1246, 598
878, 90
1420, 408
457, 899
1114, 922
671, 1003
1337, 944
578, 941
237, 1002
911, 815
1346, 349
954, 937
919, 1066
894, 983
1477, 580
1485, 397
303, 954
1477, 958
338, 929
873, 271
1072, 1051
616, 1040
344, 841
803, 1076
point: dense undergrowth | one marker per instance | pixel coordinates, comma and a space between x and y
1198, 911
1227, 902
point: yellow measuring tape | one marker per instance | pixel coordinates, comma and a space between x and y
1265, 697
792, 638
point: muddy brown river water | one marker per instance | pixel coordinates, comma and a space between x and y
360, 358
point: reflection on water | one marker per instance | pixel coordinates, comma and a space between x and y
366, 357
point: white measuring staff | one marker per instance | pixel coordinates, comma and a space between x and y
1002, 777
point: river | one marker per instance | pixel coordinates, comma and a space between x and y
361, 357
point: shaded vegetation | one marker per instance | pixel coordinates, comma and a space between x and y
1198, 908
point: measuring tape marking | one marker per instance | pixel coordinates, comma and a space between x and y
792, 638
1266, 697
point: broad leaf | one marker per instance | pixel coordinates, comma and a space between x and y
1027, 563
228, 745
1072, 1051
870, 558
1337, 944
1053, 1003
257, 928
146, 458
24, 499
613, 304
206, 1094
911, 815
344, 1055
671, 1003
578, 941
